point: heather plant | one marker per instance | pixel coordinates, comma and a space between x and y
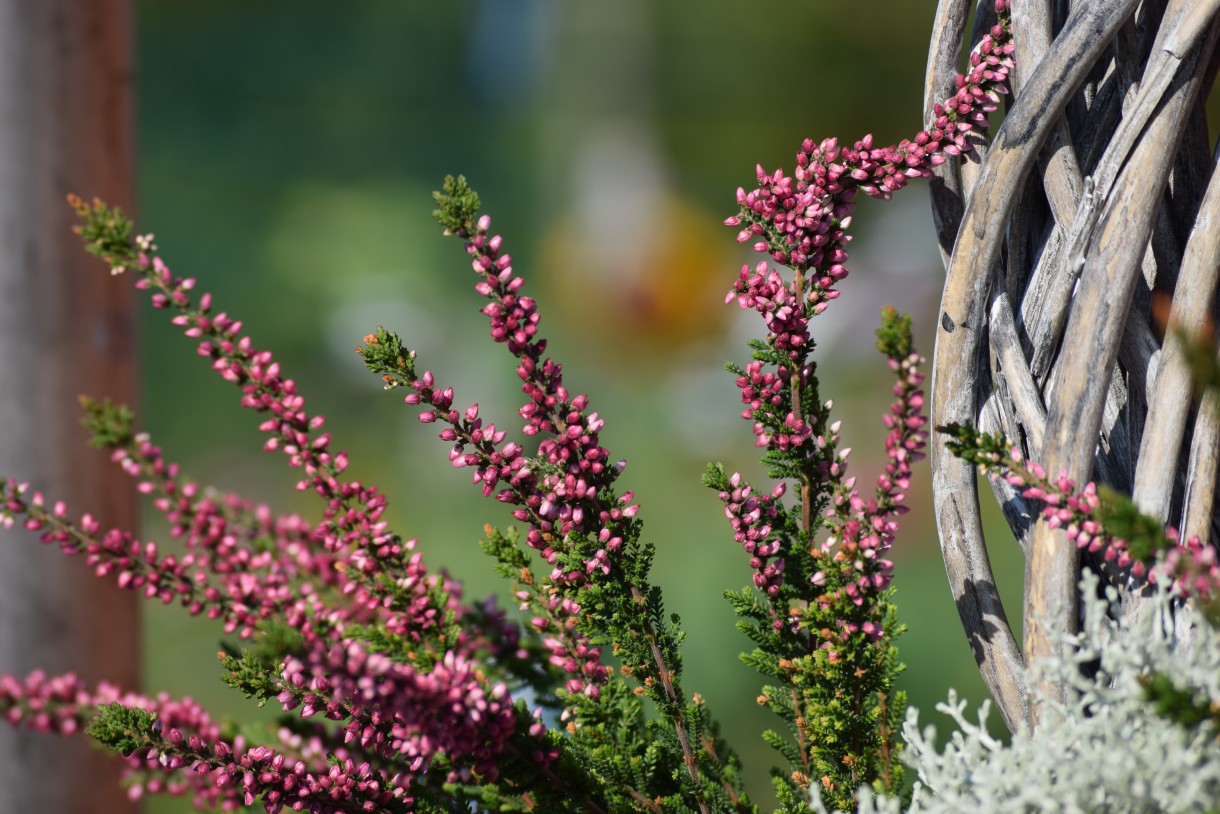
342, 619
399, 693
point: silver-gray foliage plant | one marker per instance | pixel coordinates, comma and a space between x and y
1107, 753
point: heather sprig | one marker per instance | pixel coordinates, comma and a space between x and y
1097, 518
824, 621
356, 599
242, 775
597, 593
378, 595
142, 729
378, 569
802, 222
566, 647
134, 565
240, 560
352, 517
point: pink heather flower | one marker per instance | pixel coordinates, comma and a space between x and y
778, 303
1189, 565
225, 574
398, 711
753, 518
864, 530
559, 503
567, 499
195, 759
801, 221
569, 647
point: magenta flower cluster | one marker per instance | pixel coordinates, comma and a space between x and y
863, 531
568, 647
227, 773
1074, 512
584, 529
839, 602
558, 492
396, 711
765, 291
564, 492
566, 501
766, 394
406, 689
801, 221
221, 575
243, 565
1190, 565
753, 519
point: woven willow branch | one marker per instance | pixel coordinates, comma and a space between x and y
1090, 202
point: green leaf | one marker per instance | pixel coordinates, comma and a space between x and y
109, 424
458, 206
124, 729
894, 335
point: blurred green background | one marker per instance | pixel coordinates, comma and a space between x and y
287, 154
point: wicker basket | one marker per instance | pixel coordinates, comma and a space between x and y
1095, 202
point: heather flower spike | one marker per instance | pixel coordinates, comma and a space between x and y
823, 617
801, 221
595, 592
1098, 519
315, 602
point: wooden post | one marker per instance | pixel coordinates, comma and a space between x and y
66, 125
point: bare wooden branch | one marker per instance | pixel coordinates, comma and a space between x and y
1006, 345
1046, 303
1031, 24
1064, 186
